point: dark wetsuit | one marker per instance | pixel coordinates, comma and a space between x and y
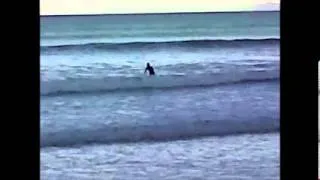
151, 70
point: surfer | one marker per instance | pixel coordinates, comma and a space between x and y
150, 69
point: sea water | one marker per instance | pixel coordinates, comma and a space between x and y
211, 111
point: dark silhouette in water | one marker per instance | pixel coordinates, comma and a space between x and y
150, 69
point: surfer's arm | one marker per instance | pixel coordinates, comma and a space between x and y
145, 70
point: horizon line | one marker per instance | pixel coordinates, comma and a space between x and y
158, 13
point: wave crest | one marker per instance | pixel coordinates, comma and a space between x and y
93, 85
174, 130
189, 44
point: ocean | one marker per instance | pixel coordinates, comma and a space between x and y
210, 112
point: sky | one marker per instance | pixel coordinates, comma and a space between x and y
74, 7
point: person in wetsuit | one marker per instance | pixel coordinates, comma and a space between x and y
150, 69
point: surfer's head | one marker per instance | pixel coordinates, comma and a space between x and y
148, 64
